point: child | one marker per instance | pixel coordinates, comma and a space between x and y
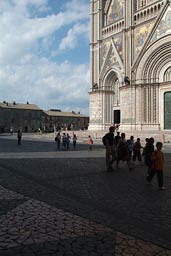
157, 159
90, 143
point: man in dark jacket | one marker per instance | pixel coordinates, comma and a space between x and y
110, 148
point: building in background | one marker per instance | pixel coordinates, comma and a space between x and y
55, 119
26, 117
130, 64
30, 118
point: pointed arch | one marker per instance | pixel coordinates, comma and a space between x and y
112, 81
113, 71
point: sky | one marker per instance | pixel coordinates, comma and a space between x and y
44, 53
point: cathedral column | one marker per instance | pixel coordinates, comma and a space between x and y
139, 100
128, 36
91, 43
147, 111
96, 96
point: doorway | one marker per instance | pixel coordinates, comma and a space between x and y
117, 116
167, 110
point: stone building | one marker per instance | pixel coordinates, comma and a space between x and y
54, 119
130, 64
30, 118
26, 117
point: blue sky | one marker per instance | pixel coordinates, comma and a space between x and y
44, 53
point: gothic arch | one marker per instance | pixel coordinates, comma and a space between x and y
155, 61
112, 81
113, 72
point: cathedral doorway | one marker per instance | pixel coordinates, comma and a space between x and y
117, 116
167, 111
111, 99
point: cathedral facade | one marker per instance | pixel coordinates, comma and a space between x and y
130, 64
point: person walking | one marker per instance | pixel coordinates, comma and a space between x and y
147, 152
64, 140
137, 151
122, 151
74, 141
117, 138
90, 143
144, 149
68, 141
11, 131
58, 140
19, 136
130, 144
157, 166
109, 143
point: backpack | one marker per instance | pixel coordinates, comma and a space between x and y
104, 140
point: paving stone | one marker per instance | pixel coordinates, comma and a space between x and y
60, 206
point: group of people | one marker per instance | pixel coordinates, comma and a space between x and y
64, 141
119, 149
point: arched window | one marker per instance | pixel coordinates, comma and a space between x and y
167, 75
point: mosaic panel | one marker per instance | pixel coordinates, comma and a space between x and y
115, 11
105, 48
141, 34
112, 59
118, 44
164, 26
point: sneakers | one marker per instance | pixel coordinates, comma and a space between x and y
162, 188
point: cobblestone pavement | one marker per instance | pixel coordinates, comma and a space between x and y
65, 203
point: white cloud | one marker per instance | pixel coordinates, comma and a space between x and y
48, 84
33, 2
19, 33
70, 41
80, 7
27, 75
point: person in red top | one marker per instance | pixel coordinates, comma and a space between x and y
157, 159
90, 143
